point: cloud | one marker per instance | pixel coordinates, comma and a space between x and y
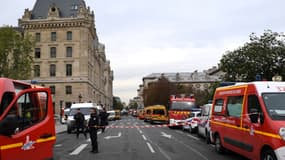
147, 36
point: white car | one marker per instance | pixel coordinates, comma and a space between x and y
112, 115
204, 124
84, 109
191, 123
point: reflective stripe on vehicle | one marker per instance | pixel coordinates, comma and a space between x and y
45, 139
248, 130
16, 145
10, 146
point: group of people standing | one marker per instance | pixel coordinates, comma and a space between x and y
96, 121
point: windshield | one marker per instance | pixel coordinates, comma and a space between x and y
85, 111
111, 113
275, 105
182, 106
158, 111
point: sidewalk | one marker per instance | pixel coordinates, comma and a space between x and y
59, 128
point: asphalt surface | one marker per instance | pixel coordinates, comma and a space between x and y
130, 138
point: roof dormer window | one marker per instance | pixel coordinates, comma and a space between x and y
74, 7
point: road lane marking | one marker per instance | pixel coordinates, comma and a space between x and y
78, 149
164, 153
189, 135
144, 137
150, 147
58, 145
109, 137
165, 135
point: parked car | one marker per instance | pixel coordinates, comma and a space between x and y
190, 124
84, 109
203, 126
112, 115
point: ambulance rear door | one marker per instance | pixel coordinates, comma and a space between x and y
27, 128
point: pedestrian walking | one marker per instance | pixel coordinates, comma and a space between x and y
103, 119
79, 122
93, 127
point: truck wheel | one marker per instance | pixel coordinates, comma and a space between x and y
208, 139
191, 130
268, 155
218, 144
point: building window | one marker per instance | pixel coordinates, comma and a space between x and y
68, 69
53, 36
68, 51
37, 52
68, 35
37, 71
38, 37
53, 52
52, 89
68, 89
52, 70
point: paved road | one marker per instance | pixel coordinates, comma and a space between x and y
130, 138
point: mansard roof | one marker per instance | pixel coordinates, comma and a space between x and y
67, 8
185, 76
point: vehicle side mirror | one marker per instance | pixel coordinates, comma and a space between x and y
8, 125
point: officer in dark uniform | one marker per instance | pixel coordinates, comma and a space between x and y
103, 119
93, 126
79, 122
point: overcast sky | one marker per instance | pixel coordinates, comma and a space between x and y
154, 36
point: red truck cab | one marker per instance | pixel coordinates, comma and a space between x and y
249, 119
27, 128
180, 108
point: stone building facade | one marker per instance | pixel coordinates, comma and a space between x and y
68, 56
198, 80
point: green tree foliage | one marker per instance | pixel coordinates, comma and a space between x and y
15, 54
264, 56
157, 92
117, 104
133, 105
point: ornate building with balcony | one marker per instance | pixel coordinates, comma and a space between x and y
68, 57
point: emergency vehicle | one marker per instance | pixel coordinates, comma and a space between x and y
180, 108
140, 113
27, 127
156, 114
249, 119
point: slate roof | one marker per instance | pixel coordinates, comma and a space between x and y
67, 8
185, 76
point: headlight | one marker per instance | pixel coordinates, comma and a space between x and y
282, 133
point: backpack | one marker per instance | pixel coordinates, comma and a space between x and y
80, 118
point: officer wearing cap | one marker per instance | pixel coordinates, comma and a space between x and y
93, 127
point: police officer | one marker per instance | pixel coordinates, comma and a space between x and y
93, 126
79, 122
103, 119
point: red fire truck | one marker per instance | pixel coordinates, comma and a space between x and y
180, 108
27, 129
